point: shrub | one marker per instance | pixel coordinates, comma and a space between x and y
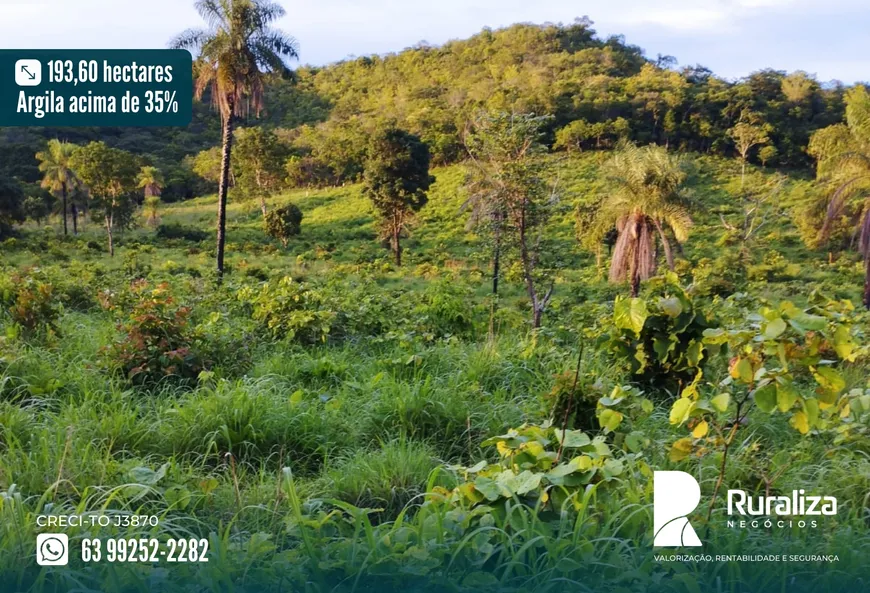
722, 276
157, 340
539, 465
445, 309
775, 268
289, 310
284, 223
179, 231
30, 302
659, 339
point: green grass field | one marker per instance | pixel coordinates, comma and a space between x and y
312, 431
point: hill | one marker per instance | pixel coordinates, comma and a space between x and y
326, 114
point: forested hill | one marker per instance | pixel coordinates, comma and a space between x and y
595, 89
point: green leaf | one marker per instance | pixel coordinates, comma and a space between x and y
526, 482
804, 322
672, 306
743, 370
630, 314
489, 488
811, 408
635, 441
208, 485
774, 329
715, 336
721, 401
572, 438
831, 383
178, 497
786, 396
694, 353
612, 468
662, 345
844, 345
148, 477
680, 410
610, 419
296, 397
765, 397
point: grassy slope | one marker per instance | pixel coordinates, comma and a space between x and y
362, 413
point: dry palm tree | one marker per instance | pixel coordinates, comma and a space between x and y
645, 199
58, 178
150, 180
235, 53
843, 152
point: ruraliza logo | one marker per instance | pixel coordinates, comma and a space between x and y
675, 495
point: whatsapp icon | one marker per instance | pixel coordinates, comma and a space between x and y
52, 549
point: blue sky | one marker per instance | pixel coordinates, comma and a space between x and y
828, 38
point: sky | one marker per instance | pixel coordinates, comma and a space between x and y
828, 38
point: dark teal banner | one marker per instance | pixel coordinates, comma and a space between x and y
115, 88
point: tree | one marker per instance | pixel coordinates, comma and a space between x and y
235, 53
37, 206
284, 223
110, 175
843, 154
645, 198
509, 194
260, 157
748, 134
58, 177
207, 164
767, 154
150, 180
572, 136
11, 201
396, 181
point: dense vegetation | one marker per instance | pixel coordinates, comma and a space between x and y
472, 297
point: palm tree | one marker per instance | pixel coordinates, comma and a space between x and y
151, 181
843, 152
645, 199
234, 54
58, 175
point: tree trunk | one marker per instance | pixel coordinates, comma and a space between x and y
867, 282
666, 246
75, 217
538, 304
63, 196
536, 318
223, 187
397, 246
634, 272
263, 207
109, 224
496, 263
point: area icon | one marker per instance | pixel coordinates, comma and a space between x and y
28, 72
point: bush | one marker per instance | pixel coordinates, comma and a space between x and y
284, 223
289, 310
722, 276
30, 302
445, 309
179, 231
157, 340
659, 340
